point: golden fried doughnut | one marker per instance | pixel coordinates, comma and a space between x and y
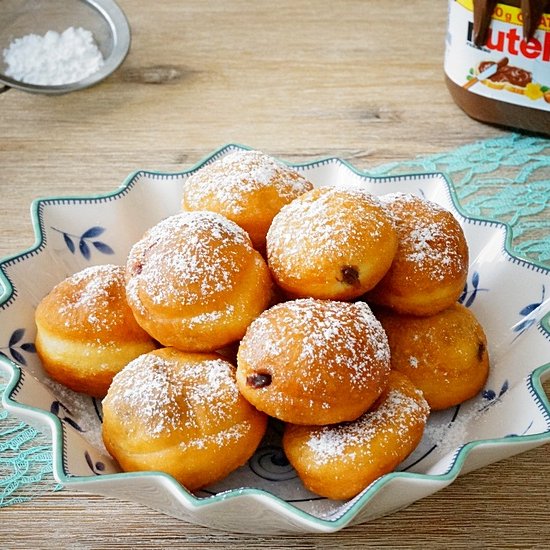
445, 355
431, 264
194, 281
331, 243
248, 187
313, 361
180, 413
86, 332
341, 460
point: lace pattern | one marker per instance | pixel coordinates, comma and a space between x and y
25, 460
505, 179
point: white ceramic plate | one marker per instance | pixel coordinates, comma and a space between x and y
510, 415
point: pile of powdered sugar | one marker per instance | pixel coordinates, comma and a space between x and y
53, 59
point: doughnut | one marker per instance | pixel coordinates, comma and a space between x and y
445, 354
248, 187
85, 331
309, 361
341, 460
194, 281
331, 243
431, 264
180, 413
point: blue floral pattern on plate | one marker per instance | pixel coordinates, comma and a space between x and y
527, 313
85, 242
471, 290
15, 348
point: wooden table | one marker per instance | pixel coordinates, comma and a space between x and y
362, 80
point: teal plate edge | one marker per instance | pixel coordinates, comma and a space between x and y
13, 371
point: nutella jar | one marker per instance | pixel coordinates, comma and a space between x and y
497, 61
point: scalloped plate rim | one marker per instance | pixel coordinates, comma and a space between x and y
191, 502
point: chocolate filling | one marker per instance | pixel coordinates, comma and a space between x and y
350, 275
258, 380
480, 351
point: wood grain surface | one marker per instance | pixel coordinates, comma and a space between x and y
362, 80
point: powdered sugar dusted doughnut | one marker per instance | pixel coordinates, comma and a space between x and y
194, 281
339, 461
182, 414
331, 243
248, 187
445, 354
86, 332
431, 264
314, 361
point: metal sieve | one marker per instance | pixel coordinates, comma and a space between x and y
104, 18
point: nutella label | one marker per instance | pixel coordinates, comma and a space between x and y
507, 67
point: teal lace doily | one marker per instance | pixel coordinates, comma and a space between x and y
506, 179
25, 460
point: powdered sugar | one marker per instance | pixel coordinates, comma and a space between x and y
143, 389
53, 59
338, 340
186, 259
231, 180
430, 238
210, 317
160, 396
78, 408
450, 436
392, 419
88, 295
